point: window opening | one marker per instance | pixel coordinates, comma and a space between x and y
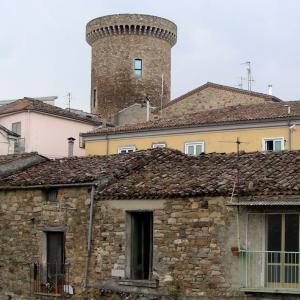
94, 97
283, 250
55, 257
141, 245
273, 144
16, 128
194, 148
126, 149
138, 68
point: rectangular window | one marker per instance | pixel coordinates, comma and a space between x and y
94, 97
194, 148
273, 144
55, 257
51, 195
16, 128
283, 250
141, 245
159, 145
138, 68
126, 149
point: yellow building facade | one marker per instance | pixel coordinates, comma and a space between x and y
221, 139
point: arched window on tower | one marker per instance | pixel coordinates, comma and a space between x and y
138, 66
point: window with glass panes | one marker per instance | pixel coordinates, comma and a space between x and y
194, 148
276, 144
138, 67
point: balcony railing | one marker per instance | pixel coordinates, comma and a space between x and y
50, 279
270, 271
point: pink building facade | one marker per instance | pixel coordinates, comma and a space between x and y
45, 132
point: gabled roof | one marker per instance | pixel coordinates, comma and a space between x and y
227, 115
9, 132
173, 174
30, 104
225, 88
166, 173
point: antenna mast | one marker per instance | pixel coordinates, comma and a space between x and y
249, 75
69, 101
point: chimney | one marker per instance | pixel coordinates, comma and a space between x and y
71, 146
270, 89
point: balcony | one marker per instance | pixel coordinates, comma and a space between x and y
50, 280
270, 271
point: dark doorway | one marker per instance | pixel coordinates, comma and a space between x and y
141, 245
55, 256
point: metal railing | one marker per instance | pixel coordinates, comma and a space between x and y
272, 270
50, 279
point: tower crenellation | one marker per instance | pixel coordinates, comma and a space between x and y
131, 60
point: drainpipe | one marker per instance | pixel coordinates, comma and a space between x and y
106, 138
89, 241
289, 127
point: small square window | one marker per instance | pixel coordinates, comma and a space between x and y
194, 148
159, 145
51, 195
126, 149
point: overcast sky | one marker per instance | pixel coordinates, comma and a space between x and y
43, 50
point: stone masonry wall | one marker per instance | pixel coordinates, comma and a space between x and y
192, 242
24, 214
209, 98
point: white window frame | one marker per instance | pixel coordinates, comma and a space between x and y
138, 69
126, 148
187, 144
264, 140
159, 145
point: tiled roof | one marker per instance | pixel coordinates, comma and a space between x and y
227, 115
222, 87
26, 104
173, 174
165, 173
9, 132
12, 157
78, 169
14, 163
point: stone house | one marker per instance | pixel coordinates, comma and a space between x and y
153, 224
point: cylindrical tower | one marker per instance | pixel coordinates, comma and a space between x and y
131, 60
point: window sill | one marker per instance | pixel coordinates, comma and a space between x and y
139, 283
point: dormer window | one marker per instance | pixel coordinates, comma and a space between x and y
138, 65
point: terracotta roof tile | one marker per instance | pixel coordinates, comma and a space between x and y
165, 173
227, 115
39, 106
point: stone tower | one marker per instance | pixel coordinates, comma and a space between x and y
131, 60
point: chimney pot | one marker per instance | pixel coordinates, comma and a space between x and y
270, 89
71, 146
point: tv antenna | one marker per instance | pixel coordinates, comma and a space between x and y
250, 79
241, 84
237, 179
69, 101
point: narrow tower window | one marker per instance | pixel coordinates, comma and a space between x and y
138, 68
94, 97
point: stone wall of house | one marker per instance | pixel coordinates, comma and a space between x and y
209, 98
192, 242
24, 214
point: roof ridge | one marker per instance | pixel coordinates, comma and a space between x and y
220, 86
